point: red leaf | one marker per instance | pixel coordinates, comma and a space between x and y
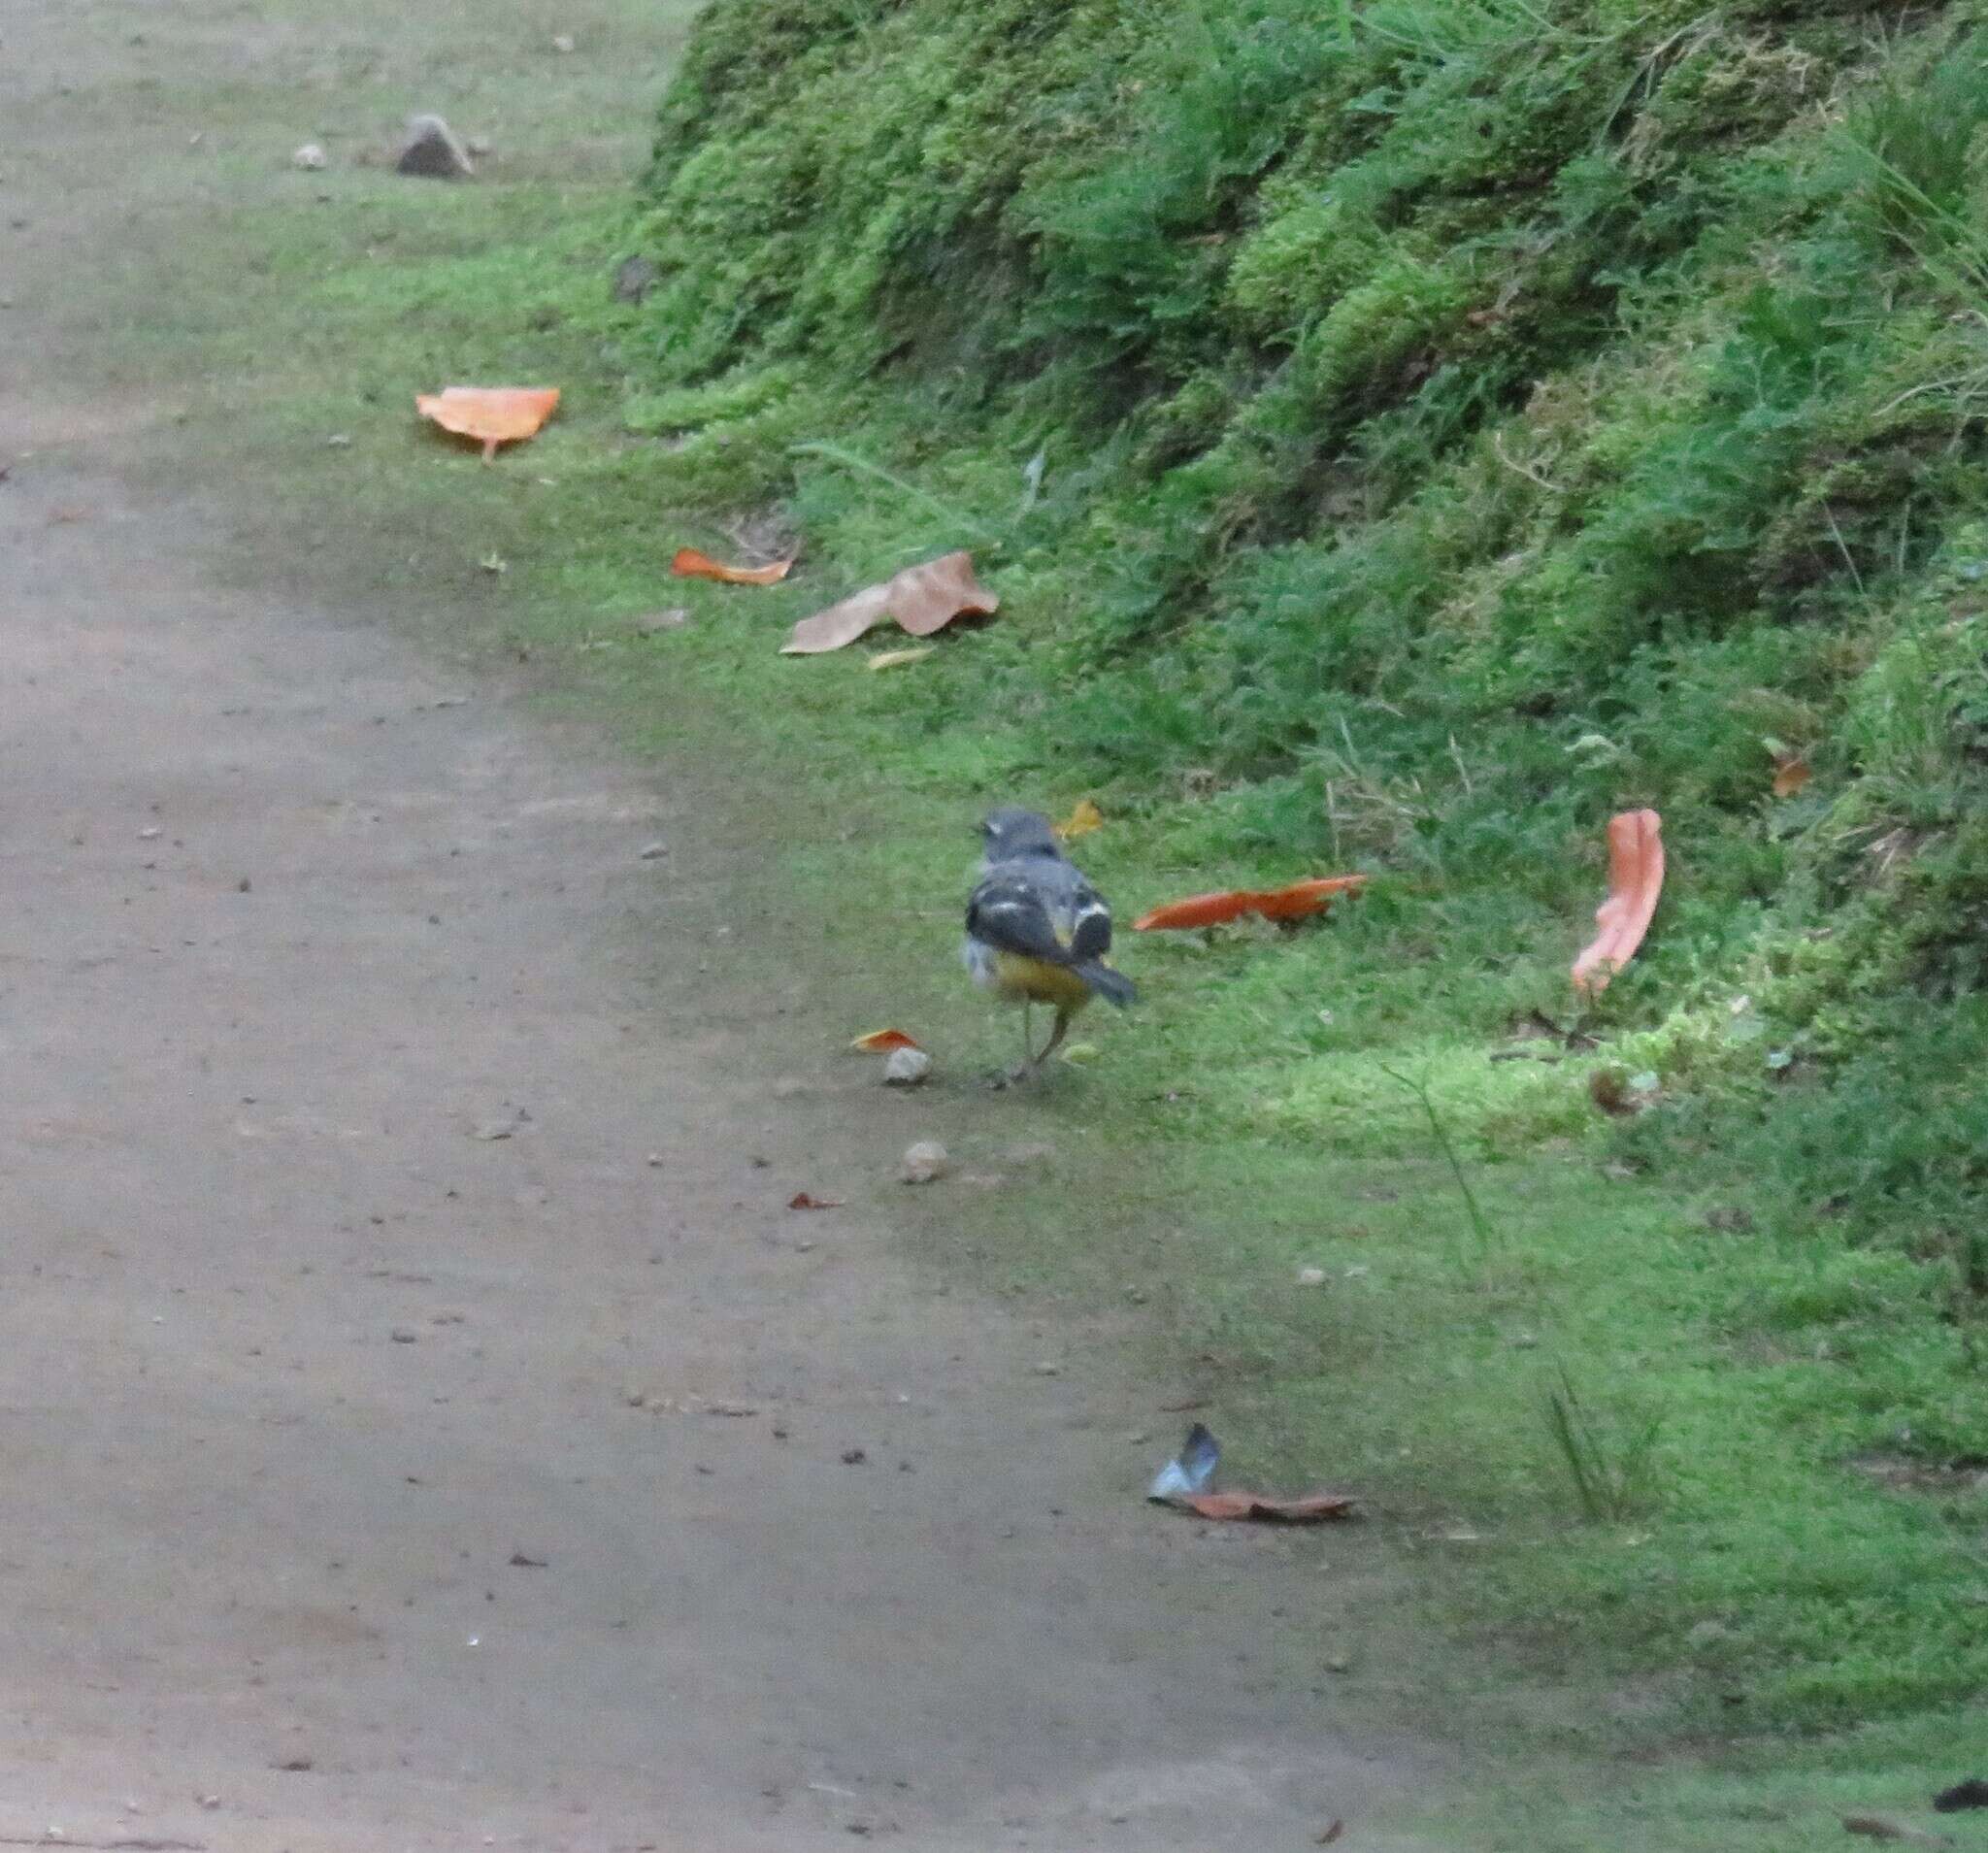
883, 1041
1313, 1508
489, 414
1635, 879
1293, 902
691, 564
804, 1200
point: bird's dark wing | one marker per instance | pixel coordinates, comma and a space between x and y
1090, 920
1007, 911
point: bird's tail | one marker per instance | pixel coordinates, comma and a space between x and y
1115, 987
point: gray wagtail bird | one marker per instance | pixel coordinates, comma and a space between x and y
1036, 931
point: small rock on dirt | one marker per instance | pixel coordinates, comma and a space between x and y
634, 278
309, 157
562, 42
1312, 1277
906, 1067
654, 851
432, 151
924, 1163
401, 1334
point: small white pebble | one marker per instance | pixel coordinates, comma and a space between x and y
906, 1067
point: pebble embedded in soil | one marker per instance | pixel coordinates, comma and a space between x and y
432, 151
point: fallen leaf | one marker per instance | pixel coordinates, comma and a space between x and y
883, 1041
519, 1561
490, 415
1332, 1833
1791, 773
898, 658
805, 1200
691, 564
1635, 879
1313, 1508
922, 599
1881, 1827
1293, 902
1082, 821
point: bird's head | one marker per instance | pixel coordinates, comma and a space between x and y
1012, 832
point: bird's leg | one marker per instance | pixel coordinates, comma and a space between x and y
1056, 1037
1028, 1066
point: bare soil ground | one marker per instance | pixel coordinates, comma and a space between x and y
374, 1483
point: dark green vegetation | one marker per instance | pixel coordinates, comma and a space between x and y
1403, 435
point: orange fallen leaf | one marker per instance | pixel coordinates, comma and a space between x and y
883, 1041
490, 415
1293, 902
922, 599
1082, 821
806, 1199
1635, 879
1791, 773
1313, 1508
691, 564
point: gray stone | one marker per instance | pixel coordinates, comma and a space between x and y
433, 152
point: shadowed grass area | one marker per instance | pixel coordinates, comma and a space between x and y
1668, 1410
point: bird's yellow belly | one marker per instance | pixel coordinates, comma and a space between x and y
1018, 977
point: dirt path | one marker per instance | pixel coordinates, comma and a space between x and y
378, 1484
